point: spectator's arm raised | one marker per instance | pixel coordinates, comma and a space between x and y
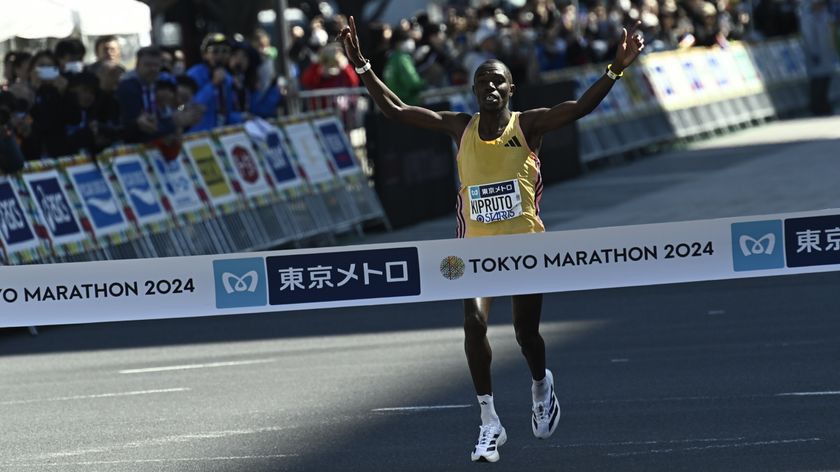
451, 123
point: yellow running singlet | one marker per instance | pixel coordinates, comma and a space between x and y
501, 184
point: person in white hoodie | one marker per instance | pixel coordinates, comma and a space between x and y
817, 26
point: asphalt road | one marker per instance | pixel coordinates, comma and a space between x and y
731, 375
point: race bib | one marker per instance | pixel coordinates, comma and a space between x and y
499, 201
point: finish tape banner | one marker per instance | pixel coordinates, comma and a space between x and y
410, 272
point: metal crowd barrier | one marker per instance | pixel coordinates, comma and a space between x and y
236, 189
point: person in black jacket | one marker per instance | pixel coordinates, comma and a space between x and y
136, 94
11, 158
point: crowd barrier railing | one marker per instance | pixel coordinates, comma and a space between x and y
242, 188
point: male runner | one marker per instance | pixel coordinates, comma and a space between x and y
498, 148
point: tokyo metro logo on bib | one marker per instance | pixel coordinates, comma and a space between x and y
240, 282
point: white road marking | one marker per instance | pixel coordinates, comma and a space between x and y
151, 461
619, 361
647, 443
100, 395
714, 446
807, 394
422, 408
195, 366
145, 443
717, 312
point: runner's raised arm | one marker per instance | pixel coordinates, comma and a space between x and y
449, 122
537, 122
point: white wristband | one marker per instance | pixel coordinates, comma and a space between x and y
363, 69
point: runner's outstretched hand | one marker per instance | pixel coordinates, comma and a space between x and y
629, 48
350, 40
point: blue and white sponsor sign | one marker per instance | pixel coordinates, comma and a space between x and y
240, 282
347, 275
757, 245
309, 152
54, 207
812, 241
141, 195
270, 142
176, 183
338, 146
15, 228
98, 199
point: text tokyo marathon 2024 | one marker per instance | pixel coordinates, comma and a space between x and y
597, 256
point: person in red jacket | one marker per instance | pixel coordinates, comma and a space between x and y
332, 70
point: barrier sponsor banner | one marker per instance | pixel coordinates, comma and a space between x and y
269, 141
244, 161
309, 153
53, 207
176, 183
140, 194
98, 200
15, 227
665, 253
338, 146
203, 156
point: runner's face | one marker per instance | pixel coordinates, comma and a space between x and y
492, 87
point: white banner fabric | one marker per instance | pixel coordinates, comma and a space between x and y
408, 272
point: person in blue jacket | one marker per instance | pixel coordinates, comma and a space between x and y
215, 84
254, 96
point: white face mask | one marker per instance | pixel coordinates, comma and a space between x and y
47, 72
74, 67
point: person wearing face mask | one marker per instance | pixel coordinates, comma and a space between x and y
48, 87
400, 74
70, 53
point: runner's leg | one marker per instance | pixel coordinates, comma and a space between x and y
526, 324
476, 344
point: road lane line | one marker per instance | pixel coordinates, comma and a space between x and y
210, 365
153, 442
807, 394
715, 446
150, 461
643, 443
422, 408
94, 396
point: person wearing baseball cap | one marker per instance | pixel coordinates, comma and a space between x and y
215, 84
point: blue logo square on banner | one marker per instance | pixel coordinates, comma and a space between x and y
758, 245
812, 241
97, 197
14, 227
55, 207
240, 282
138, 188
348, 275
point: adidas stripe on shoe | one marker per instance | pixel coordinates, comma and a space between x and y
490, 437
545, 415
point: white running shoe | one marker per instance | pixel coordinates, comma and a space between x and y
490, 437
545, 415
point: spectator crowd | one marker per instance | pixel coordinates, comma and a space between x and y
52, 104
